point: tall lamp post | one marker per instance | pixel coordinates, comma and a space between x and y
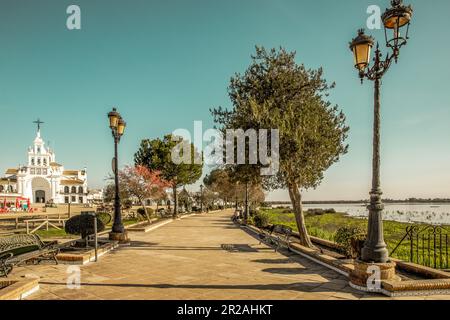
395, 20
117, 126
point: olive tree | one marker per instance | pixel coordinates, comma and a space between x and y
277, 93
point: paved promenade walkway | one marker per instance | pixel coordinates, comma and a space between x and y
199, 257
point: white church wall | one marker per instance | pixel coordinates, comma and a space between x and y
43, 174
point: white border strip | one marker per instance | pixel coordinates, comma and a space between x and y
29, 292
92, 259
155, 226
321, 263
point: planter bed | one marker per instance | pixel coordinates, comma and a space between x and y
422, 271
80, 256
146, 227
416, 287
17, 289
435, 282
159, 222
402, 266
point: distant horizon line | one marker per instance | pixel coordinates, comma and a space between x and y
387, 200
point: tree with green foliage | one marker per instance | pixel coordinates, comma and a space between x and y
110, 194
277, 93
157, 154
209, 199
230, 188
218, 181
185, 200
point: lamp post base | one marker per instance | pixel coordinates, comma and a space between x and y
380, 254
122, 237
368, 276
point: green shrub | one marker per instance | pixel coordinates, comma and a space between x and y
261, 220
104, 217
319, 212
350, 240
83, 225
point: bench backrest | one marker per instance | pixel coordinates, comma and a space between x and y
20, 244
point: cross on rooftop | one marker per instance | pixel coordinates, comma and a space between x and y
38, 122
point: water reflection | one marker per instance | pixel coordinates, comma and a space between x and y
401, 212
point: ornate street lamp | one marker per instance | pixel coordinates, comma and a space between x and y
361, 47
117, 126
395, 20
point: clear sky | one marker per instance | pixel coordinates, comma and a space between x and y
165, 63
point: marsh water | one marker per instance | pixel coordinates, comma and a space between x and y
430, 213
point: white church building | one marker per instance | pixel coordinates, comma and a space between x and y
43, 179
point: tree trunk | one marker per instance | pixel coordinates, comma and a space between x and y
296, 199
175, 202
145, 212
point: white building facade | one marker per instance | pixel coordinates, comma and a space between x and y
44, 180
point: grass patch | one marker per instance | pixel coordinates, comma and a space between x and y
54, 233
128, 222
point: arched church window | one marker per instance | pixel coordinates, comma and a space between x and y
39, 161
38, 150
74, 190
45, 161
32, 161
80, 189
66, 190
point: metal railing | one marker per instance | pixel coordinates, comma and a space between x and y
425, 245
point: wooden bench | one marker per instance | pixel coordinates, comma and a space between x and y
277, 235
18, 249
